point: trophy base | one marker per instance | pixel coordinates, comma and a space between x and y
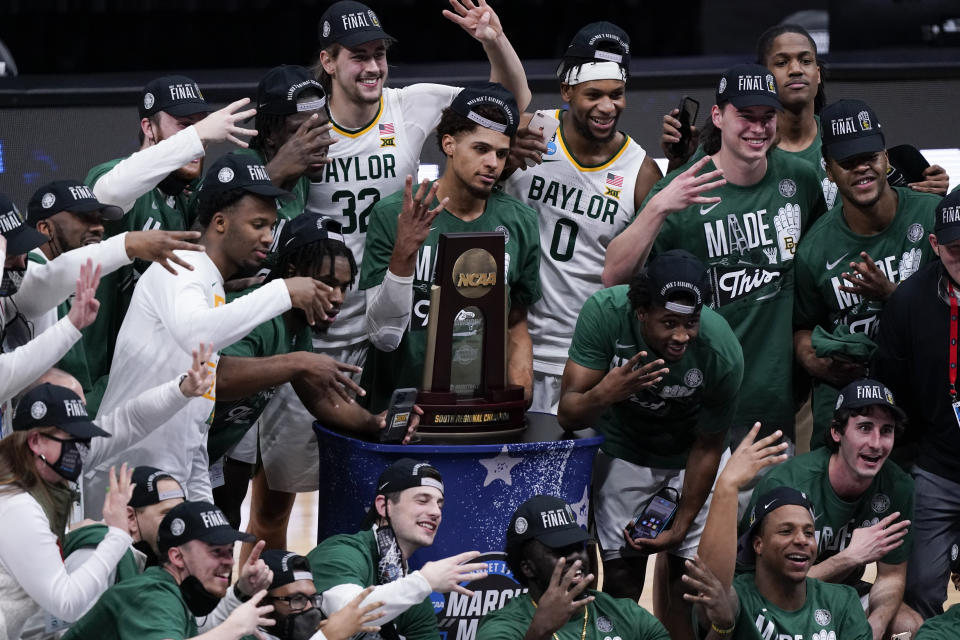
500, 414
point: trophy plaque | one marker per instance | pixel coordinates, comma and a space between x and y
465, 390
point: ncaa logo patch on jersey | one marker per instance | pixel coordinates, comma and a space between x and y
914, 232
822, 617
693, 378
787, 188
880, 503
506, 233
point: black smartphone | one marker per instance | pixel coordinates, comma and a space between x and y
689, 108
654, 518
398, 415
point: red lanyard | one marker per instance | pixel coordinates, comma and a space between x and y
953, 342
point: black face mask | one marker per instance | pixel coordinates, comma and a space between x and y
298, 626
11, 281
70, 463
144, 547
200, 601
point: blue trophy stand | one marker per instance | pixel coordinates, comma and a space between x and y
483, 486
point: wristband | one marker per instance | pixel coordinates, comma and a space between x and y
723, 632
241, 596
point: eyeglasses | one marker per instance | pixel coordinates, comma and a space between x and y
298, 601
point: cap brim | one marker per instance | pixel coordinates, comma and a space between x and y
362, 37
107, 211
268, 190
563, 537
843, 149
742, 102
84, 430
188, 108
873, 403
948, 234
226, 535
24, 239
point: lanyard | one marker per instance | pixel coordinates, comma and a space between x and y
953, 342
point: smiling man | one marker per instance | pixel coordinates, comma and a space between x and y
863, 503
658, 373
587, 189
547, 553
854, 257
405, 515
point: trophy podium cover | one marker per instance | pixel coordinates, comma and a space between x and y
465, 390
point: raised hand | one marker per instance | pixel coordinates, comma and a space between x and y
331, 377
867, 280
306, 148
476, 18
671, 135
869, 544
118, 495
413, 224
687, 188
254, 574
200, 377
446, 575
83, 310
353, 619
311, 296
560, 600
719, 603
248, 616
159, 246
221, 125
751, 456
622, 382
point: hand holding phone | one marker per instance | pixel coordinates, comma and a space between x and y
546, 124
398, 415
688, 110
655, 517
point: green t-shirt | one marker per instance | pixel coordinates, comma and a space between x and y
607, 617
813, 155
830, 612
352, 559
657, 427
232, 419
145, 607
748, 241
91, 536
826, 252
946, 626
835, 519
88, 360
386, 371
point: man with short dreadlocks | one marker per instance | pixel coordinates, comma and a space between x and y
279, 351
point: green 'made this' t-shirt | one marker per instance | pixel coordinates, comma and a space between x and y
946, 626
353, 559
835, 519
606, 617
145, 607
827, 251
748, 241
657, 426
403, 367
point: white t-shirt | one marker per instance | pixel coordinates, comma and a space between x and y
170, 315
369, 164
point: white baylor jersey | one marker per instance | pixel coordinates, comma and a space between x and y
581, 209
368, 164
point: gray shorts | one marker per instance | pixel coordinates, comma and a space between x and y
621, 487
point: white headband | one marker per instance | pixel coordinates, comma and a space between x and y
676, 307
595, 71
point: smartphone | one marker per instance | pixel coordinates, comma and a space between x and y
398, 415
654, 518
688, 108
545, 121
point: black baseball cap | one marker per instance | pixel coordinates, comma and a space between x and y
905, 165
21, 238
306, 228
597, 42
767, 503
491, 93
865, 392
946, 225
197, 521
678, 272
67, 195
279, 89
50, 405
748, 85
176, 95
406, 473
547, 519
350, 23
239, 170
849, 128
287, 567
146, 490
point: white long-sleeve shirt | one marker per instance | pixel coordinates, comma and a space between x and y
397, 596
23, 365
139, 173
32, 573
169, 315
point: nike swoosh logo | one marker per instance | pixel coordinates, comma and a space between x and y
624, 346
767, 506
705, 210
831, 265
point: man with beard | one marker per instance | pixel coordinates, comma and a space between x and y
169, 314
72, 219
192, 580
280, 351
587, 189
863, 503
658, 373
546, 552
404, 231
884, 226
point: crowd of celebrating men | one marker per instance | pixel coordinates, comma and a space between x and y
171, 328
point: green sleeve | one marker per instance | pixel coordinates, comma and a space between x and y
419, 622
256, 343
943, 627
643, 625
381, 235
809, 309
590, 346
339, 562
508, 623
526, 291
854, 625
720, 403
303, 341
